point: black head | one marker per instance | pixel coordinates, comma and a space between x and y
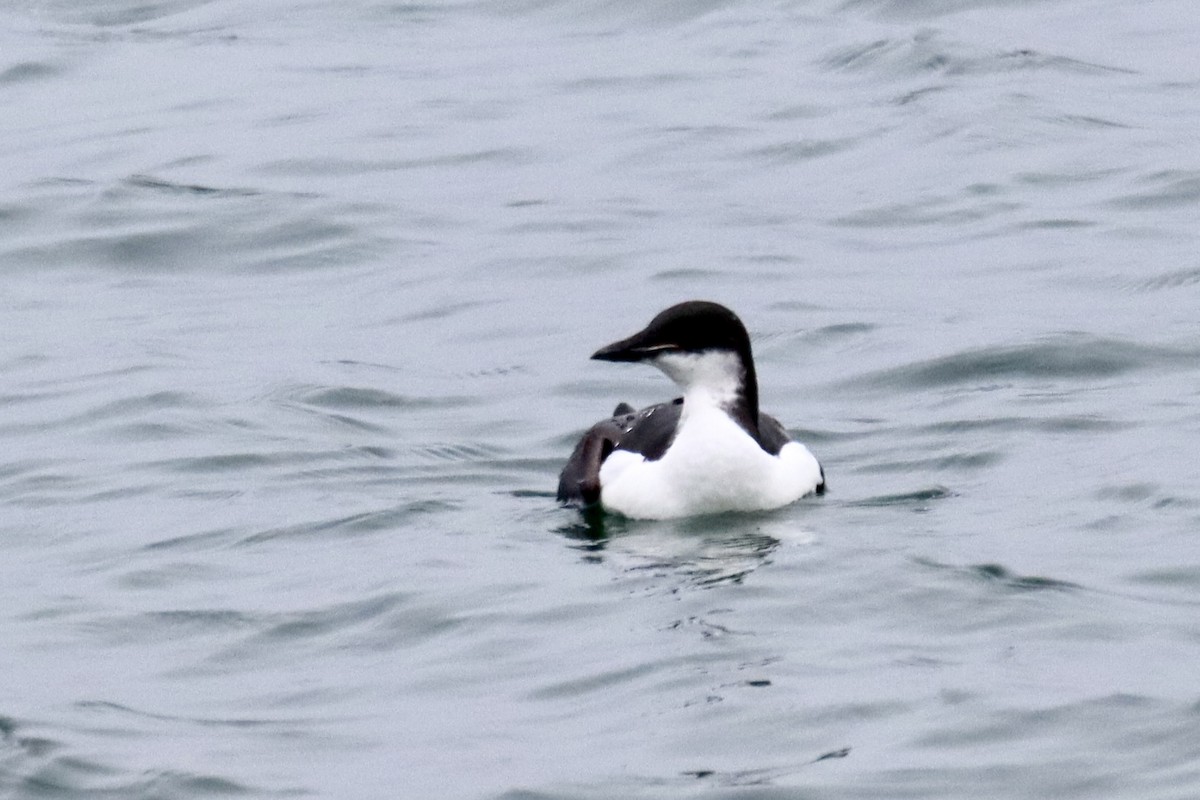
696, 326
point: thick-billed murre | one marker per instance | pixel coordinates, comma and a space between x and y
707, 452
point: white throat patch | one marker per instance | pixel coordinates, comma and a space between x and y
712, 378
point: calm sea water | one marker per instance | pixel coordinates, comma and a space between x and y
297, 300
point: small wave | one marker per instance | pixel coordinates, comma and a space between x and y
126, 417
926, 52
25, 467
382, 622
73, 776
601, 681
121, 13
322, 621
223, 462
955, 462
302, 463
1130, 492
686, 274
918, 498
616, 13
331, 166
170, 626
149, 224
43, 767
26, 71
1056, 223
927, 212
353, 397
1175, 279
362, 408
1069, 357
120, 709
846, 329
767, 776
1062, 423
793, 152
826, 334
1002, 575
1087, 121
172, 187
1182, 577
152, 401
1168, 189
458, 452
443, 311
195, 541
355, 524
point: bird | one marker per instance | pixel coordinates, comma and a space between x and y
708, 452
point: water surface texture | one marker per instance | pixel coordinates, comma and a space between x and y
297, 300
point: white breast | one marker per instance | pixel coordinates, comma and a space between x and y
712, 466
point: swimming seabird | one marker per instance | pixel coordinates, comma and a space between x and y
707, 452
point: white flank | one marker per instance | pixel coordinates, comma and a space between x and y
713, 465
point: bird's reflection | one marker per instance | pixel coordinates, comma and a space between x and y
702, 551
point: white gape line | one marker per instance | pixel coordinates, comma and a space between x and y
713, 465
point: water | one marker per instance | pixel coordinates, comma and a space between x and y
298, 299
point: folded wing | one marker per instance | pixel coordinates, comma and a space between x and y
647, 432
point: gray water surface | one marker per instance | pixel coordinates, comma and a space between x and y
297, 300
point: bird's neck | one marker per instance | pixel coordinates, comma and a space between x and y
716, 379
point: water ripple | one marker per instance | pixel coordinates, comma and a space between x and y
1002, 575
927, 52
1170, 280
145, 223
952, 462
1076, 357
38, 765
355, 524
28, 71
1166, 190
918, 499
348, 398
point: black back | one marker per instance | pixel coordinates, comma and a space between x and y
648, 432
